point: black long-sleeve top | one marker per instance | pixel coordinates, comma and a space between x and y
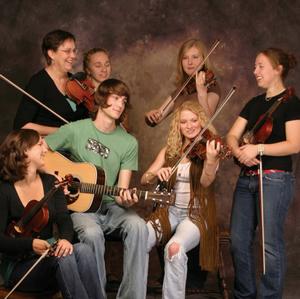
11, 208
42, 87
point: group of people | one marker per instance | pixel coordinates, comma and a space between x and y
78, 270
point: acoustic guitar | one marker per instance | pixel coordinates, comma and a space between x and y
87, 185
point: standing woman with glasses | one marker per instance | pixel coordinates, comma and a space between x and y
270, 69
49, 87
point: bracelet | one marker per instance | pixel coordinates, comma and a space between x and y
260, 149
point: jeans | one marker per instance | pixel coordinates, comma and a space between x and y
187, 235
74, 275
112, 218
278, 193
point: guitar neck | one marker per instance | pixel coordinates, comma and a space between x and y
105, 190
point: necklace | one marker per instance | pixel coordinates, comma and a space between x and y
267, 99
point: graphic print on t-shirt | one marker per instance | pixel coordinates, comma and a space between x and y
97, 147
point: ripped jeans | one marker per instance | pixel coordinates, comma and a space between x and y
187, 236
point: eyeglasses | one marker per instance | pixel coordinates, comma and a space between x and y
69, 51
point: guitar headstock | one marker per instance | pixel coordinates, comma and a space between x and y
162, 197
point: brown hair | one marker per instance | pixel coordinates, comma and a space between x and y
181, 75
279, 57
13, 164
88, 54
52, 40
106, 88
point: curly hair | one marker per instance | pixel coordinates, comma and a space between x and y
181, 75
13, 164
175, 138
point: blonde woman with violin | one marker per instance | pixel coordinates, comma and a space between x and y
49, 87
193, 218
200, 89
69, 268
274, 148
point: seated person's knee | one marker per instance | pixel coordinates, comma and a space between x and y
173, 249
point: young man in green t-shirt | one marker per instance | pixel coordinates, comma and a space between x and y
105, 144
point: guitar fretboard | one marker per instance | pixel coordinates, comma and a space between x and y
105, 190
97, 189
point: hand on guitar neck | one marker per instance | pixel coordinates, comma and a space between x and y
127, 197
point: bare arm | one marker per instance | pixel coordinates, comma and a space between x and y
41, 129
155, 116
211, 164
208, 100
234, 135
151, 174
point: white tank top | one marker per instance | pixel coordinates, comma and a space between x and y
182, 185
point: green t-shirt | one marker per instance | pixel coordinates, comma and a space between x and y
112, 151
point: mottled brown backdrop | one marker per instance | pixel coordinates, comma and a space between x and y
143, 37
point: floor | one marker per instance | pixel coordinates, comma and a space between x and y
211, 288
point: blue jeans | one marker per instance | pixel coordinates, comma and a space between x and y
278, 193
133, 231
187, 235
74, 275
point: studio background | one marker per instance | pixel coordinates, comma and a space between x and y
143, 37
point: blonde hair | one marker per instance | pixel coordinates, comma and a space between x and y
181, 75
175, 138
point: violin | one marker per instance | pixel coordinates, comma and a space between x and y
199, 149
190, 88
80, 89
35, 216
264, 125
210, 80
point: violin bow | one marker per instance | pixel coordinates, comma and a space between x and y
32, 97
31, 268
199, 67
261, 218
200, 136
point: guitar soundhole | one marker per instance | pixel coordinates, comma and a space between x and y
73, 188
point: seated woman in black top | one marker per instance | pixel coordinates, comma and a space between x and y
71, 268
49, 87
